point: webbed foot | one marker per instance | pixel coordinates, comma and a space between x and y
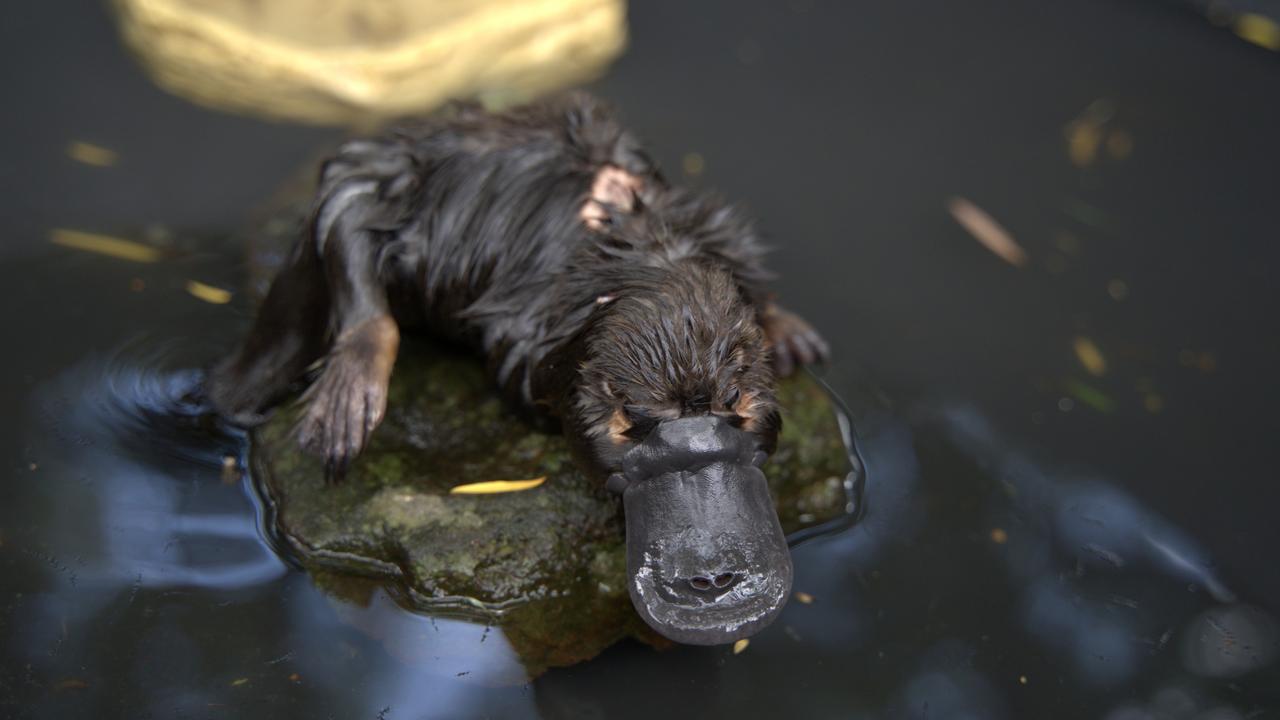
349, 398
793, 341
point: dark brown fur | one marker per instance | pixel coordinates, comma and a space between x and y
612, 312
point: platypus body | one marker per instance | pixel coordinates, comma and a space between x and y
635, 312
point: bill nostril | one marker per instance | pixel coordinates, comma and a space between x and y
703, 583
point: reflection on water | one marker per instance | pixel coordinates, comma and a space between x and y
978, 582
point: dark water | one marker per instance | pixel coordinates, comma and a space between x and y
1038, 541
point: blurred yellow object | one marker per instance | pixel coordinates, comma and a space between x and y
90, 154
104, 245
1259, 30
1089, 356
355, 61
208, 293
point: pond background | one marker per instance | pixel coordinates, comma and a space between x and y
134, 582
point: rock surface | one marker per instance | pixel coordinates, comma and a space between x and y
548, 563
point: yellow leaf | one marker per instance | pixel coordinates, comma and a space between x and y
497, 486
1089, 356
208, 293
239, 681
804, 598
91, 154
105, 245
987, 231
740, 645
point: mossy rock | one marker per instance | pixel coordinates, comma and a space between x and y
548, 564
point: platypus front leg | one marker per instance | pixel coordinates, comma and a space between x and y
792, 341
349, 398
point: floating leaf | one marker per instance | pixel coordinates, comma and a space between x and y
804, 598
208, 293
91, 154
239, 681
497, 486
105, 245
1089, 356
987, 231
740, 645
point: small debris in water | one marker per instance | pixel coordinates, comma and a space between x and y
1205, 361
208, 293
90, 154
1022, 679
1153, 402
230, 472
1119, 144
804, 598
295, 677
33, 467
1082, 143
497, 486
740, 645
137, 285
693, 164
999, 536
104, 245
464, 672
1118, 289
1090, 396
1089, 356
1066, 404
239, 681
1085, 133
72, 684
987, 231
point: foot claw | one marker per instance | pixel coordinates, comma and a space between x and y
794, 342
346, 402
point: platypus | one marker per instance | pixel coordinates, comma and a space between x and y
634, 312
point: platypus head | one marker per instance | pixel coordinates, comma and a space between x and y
675, 404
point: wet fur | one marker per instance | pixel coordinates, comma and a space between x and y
471, 225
